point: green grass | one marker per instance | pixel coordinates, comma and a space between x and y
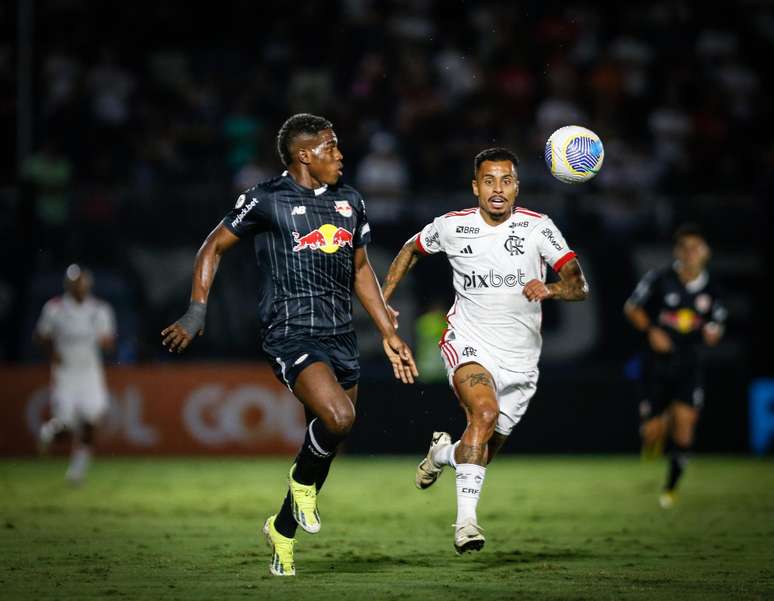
557, 528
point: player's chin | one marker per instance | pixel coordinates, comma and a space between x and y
332, 177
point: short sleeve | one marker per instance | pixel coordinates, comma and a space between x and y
106, 321
719, 313
247, 217
45, 325
428, 240
552, 245
644, 290
363, 228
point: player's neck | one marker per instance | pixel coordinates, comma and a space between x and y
493, 221
303, 178
687, 275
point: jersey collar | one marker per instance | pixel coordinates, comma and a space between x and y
697, 283
317, 191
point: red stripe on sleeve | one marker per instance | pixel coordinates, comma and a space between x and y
563, 261
419, 244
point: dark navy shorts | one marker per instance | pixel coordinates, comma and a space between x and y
669, 379
289, 357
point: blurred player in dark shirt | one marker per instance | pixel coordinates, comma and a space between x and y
678, 309
310, 234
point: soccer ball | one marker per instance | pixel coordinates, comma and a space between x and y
574, 154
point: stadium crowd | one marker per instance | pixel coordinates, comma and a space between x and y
146, 129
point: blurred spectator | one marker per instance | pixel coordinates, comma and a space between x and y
111, 87
241, 129
382, 177
429, 328
48, 174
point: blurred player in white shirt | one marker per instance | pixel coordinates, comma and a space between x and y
74, 329
498, 253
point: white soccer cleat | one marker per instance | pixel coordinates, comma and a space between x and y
48, 432
468, 536
427, 471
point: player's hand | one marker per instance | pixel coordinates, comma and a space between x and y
177, 338
399, 354
536, 291
659, 340
712, 333
393, 313
179, 335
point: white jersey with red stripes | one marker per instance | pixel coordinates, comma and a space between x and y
491, 265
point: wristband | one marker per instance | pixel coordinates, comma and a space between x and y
193, 319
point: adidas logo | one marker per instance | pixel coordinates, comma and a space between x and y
467, 250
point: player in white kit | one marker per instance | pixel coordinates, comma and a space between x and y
498, 253
75, 329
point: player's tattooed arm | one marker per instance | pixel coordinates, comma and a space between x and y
401, 264
572, 285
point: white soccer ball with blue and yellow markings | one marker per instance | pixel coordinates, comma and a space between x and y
574, 154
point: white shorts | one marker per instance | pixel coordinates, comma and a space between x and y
79, 397
514, 389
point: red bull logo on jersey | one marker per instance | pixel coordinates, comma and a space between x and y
327, 238
343, 208
682, 320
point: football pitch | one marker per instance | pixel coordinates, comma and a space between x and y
556, 527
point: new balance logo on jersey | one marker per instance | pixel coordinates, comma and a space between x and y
298, 210
493, 280
467, 250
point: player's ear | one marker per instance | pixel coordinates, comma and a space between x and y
303, 155
475, 188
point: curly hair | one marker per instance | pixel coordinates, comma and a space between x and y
297, 125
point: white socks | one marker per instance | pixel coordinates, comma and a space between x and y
79, 463
444, 455
470, 480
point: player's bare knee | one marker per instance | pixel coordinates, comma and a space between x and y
339, 419
485, 417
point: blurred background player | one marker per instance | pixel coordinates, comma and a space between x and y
310, 236
492, 344
678, 309
74, 330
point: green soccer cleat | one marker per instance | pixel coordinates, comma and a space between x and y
282, 563
667, 499
304, 504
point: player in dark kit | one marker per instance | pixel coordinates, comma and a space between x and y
679, 310
310, 234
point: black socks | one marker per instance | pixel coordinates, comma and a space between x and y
312, 466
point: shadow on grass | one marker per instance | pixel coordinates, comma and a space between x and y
354, 562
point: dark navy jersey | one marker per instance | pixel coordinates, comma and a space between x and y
305, 243
682, 310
